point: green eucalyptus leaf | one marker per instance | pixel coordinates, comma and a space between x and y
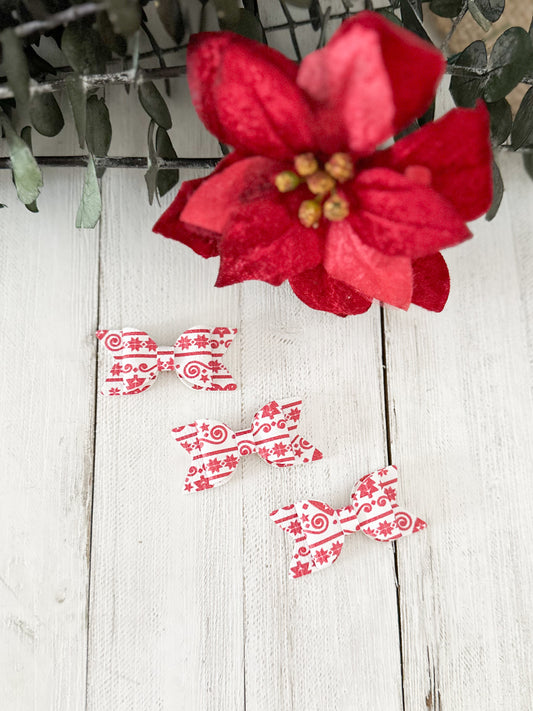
446, 8
25, 134
150, 176
90, 207
154, 104
38, 67
478, 16
76, 96
98, 130
467, 90
16, 67
491, 9
248, 25
46, 115
523, 124
166, 179
125, 16
497, 194
26, 173
528, 163
84, 49
411, 13
509, 60
390, 15
315, 15
116, 43
171, 17
501, 120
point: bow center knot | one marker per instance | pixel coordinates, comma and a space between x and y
245, 442
347, 519
165, 358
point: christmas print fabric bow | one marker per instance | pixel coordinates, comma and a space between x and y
216, 450
319, 530
195, 357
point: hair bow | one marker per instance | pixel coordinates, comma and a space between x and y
196, 357
216, 450
319, 530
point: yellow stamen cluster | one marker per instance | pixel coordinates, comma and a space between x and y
322, 182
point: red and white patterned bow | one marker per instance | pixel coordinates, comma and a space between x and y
319, 530
196, 357
216, 450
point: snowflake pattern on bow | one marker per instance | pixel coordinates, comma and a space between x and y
216, 450
195, 357
319, 530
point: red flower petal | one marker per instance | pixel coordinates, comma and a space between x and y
457, 150
245, 93
373, 274
264, 240
398, 216
170, 224
212, 203
431, 282
414, 66
350, 87
320, 291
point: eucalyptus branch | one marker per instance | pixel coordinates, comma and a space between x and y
477, 72
291, 25
303, 23
128, 76
76, 12
120, 162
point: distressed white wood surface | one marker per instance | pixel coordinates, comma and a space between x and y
190, 603
48, 293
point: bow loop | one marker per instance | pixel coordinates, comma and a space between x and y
319, 530
272, 437
198, 354
135, 361
196, 358
216, 449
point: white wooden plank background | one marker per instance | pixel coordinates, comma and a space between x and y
118, 592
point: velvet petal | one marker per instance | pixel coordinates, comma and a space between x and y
431, 282
398, 216
263, 240
456, 148
210, 206
245, 93
350, 88
320, 291
170, 225
373, 274
414, 66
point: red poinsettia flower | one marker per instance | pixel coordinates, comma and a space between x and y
307, 195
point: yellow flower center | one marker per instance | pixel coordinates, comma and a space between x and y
322, 183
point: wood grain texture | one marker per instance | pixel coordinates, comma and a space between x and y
328, 641
48, 277
166, 603
460, 403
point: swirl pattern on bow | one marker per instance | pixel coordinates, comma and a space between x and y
216, 450
319, 530
196, 357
